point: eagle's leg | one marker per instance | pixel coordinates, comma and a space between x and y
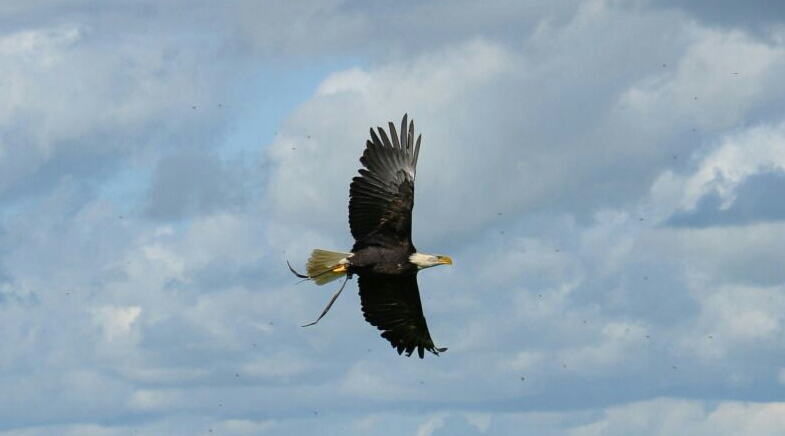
332, 300
302, 276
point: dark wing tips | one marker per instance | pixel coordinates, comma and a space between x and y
412, 152
420, 350
393, 151
390, 154
375, 140
405, 133
435, 350
400, 348
398, 145
408, 345
377, 154
416, 152
385, 138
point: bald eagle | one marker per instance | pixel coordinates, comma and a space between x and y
383, 256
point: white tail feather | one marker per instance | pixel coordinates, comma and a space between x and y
321, 264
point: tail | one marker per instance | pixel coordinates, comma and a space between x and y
325, 266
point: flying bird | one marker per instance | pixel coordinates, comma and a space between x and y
383, 257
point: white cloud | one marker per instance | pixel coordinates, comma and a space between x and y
115, 321
78, 101
739, 156
715, 82
732, 319
152, 400
431, 425
745, 253
523, 361
164, 375
479, 420
683, 417
352, 80
244, 427
276, 367
618, 341
366, 380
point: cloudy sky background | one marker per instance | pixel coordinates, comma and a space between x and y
607, 176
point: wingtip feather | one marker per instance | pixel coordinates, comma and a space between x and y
394, 135
405, 133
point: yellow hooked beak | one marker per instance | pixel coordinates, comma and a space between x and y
445, 260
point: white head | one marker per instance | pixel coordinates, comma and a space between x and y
429, 260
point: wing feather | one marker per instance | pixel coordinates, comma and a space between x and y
392, 304
382, 195
394, 135
404, 131
416, 150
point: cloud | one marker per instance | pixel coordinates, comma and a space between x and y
115, 321
384, 31
187, 184
754, 151
72, 107
654, 417
668, 416
750, 205
733, 185
752, 16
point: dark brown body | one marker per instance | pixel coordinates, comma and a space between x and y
381, 261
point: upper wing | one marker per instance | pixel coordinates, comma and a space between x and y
392, 304
382, 196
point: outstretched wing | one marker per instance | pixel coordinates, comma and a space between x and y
392, 304
382, 196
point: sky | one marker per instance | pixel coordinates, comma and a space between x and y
605, 174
